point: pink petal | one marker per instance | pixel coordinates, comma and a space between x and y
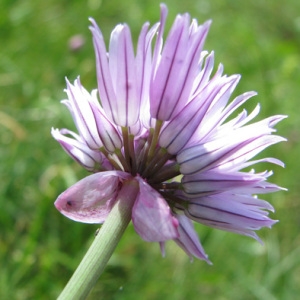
123, 75
79, 151
79, 106
91, 199
174, 73
151, 215
181, 128
231, 212
188, 239
105, 84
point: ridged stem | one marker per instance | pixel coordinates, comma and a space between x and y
95, 260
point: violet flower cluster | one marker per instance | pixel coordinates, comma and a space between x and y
165, 119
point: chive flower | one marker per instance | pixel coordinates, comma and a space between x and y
162, 117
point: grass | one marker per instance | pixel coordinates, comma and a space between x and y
39, 248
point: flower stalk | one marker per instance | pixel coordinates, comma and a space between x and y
99, 253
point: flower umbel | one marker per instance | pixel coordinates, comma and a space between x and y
165, 121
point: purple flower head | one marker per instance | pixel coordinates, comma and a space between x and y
166, 121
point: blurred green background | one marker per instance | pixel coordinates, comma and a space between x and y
39, 248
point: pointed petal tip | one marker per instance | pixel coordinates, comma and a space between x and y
57, 206
252, 94
94, 23
162, 249
163, 8
274, 222
260, 241
283, 116
207, 24
204, 257
94, 28
208, 261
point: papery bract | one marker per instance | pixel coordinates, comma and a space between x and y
91, 199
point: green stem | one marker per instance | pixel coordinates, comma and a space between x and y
95, 260
154, 140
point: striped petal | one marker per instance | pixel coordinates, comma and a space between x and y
241, 214
177, 66
188, 239
151, 215
80, 152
